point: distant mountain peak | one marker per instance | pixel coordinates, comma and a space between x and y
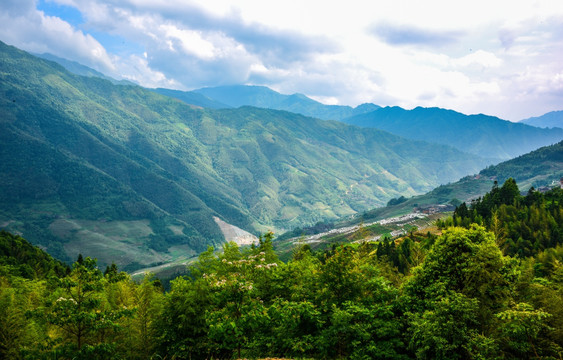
262, 96
483, 135
80, 69
553, 119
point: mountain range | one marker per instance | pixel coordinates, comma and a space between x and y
540, 169
260, 96
486, 136
550, 120
131, 176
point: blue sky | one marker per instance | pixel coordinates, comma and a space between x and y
499, 57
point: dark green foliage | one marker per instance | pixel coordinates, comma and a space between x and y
396, 201
524, 225
407, 254
76, 314
457, 298
308, 230
247, 304
19, 258
85, 327
446, 331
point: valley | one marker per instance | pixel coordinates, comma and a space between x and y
103, 157
148, 181
272, 180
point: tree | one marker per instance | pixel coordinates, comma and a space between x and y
453, 296
520, 329
18, 333
237, 310
78, 314
140, 336
446, 330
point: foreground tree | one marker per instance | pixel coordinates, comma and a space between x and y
83, 328
452, 296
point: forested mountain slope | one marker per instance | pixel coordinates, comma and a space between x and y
19, 258
131, 176
539, 169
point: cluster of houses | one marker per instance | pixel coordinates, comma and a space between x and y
434, 208
544, 189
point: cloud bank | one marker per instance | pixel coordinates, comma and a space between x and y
500, 58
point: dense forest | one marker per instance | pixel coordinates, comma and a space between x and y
490, 287
523, 225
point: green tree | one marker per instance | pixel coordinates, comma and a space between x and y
461, 284
446, 330
79, 317
19, 333
520, 329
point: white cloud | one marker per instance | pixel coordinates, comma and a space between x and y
481, 58
190, 41
473, 56
135, 68
29, 29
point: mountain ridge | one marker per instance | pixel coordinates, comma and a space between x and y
541, 169
80, 69
262, 96
483, 135
549, 120
282, 102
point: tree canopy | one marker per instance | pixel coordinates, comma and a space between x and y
461, 294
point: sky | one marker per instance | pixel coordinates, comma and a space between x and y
497, 57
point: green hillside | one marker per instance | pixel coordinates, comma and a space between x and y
19, 258
483, 135
540, 168
193, 98
131, 176
79, 69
